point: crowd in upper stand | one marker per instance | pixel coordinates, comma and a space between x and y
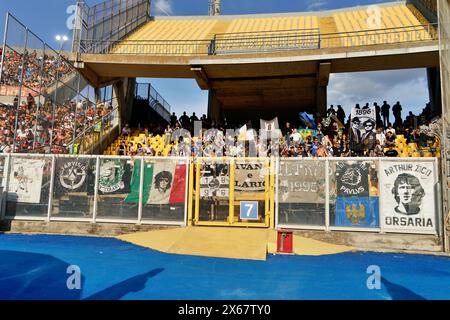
37, 71
36, 121
41, 122
332, 136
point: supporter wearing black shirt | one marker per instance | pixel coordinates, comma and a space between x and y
340, 114
397, 111
391, 152
185, 121
173, 120
193, 119
390, 139
385, 109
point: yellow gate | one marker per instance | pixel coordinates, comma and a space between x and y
232, 192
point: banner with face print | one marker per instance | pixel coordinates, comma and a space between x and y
352, 179
25, 180
408, 196
71, 176
302, 182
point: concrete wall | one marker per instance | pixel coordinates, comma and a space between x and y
378, 242
74, 228
359, 240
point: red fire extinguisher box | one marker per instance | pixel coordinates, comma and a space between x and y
285, 242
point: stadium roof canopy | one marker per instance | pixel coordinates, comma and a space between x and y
276, 61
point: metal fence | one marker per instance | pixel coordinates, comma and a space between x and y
95, 189
270, 41
379, 195
247, 42
147, 92
150, 47
44, 101
110, 20
359, 194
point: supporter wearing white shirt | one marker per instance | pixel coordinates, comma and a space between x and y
390, 129
381, 137
295, 136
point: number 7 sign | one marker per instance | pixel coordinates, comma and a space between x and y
249, 210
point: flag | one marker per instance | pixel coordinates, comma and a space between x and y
307, 119
339, 123
270, 129
243, 133
270, 125
164, 183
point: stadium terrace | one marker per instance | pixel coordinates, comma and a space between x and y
89, 147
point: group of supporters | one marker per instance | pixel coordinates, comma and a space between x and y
327, 137
38, 71
34, 123
37, 121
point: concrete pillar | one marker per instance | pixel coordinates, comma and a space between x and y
214, 107
124, 91
323, 79
321, 101
434, 90
98, 95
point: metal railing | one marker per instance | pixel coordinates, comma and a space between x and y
329, 194
94, 199
270, 41
85, 140
109, 20
147, 92
266, 41
415, 33
147, 47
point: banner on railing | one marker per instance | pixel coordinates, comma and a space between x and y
164, 183
250, 177
359, 212
215, 180
114, 177
408, 196
71, 176
25, 180
352, 179
302, 182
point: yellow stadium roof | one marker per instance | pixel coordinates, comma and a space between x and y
343, 22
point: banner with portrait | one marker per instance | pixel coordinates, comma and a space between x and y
215, 180
164, 183
408, 196
249, 176
25, 180
352, 179
362, 128
357, 212
302, 182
